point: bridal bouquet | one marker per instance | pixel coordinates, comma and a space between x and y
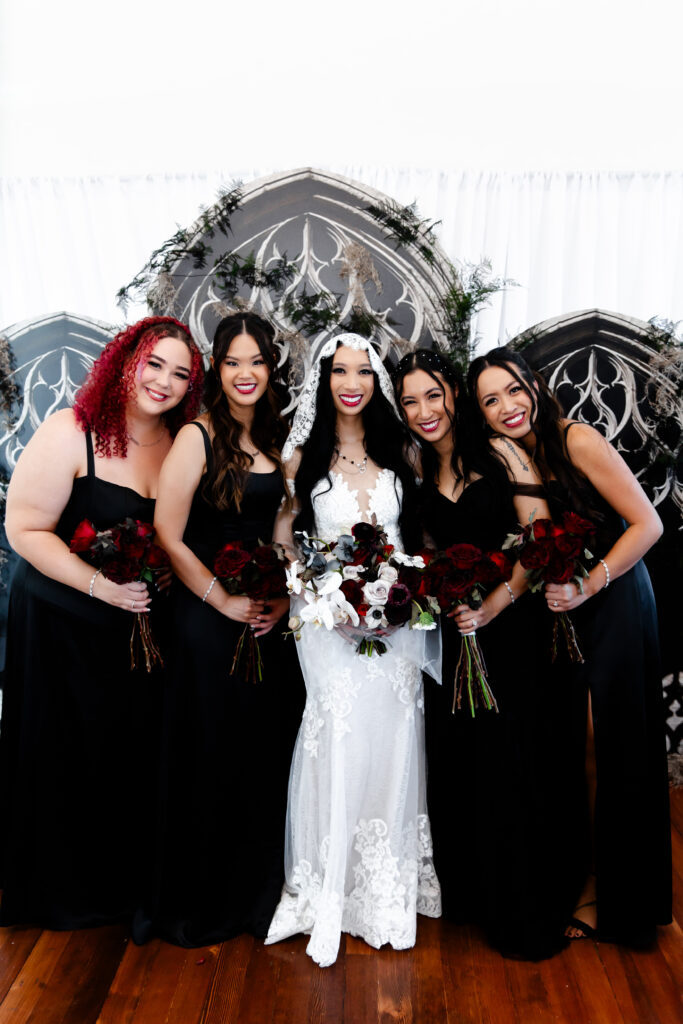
258, 573
553, 553
360, 586
124, 553
457, 576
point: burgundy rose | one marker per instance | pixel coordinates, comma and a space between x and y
230, 561
398, 608
576, 524
265, 557
569, 545
84, 536
157, 558
353, 592
133, 547
410, 578
536, 554
364, 533
463, 556
121, 570
559, 570
543, 528
496, 568
143, 530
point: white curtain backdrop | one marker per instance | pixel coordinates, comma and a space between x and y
571, 240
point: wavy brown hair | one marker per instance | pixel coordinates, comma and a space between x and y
227, 478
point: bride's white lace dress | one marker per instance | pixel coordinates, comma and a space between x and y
359, 848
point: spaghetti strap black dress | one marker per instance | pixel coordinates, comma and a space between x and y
618, 636
227, 742
496, 823
77, 737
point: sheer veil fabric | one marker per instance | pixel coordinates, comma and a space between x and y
358, 853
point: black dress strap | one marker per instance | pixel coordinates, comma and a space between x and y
208, 450
91, 454
529, 490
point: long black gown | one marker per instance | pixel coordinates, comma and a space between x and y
77, 737
226, 750
618, 637
496, 824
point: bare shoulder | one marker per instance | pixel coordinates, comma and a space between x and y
586, 444
62, 434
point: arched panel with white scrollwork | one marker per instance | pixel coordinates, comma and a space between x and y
608, 370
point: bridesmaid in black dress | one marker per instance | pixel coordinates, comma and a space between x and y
617, 825
227, 743
75, 742
489, 777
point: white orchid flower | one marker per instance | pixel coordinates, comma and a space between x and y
294, 584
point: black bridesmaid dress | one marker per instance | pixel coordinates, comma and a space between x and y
226, 750
496, 822
618, 636
77, 738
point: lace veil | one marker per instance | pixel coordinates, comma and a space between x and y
305, 413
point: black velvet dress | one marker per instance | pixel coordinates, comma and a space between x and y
496, 823
227, 742
77, 739
618, 637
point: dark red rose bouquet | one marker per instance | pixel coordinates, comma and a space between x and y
553, 553
460, 575
258, 573
124, 553
360, 586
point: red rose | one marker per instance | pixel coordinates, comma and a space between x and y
569, 545
464, 556
132, 547
388, 551
353, 592
84, 536
577, 524
497, 567
121, 570
427, 554
230, 561
558, 570
265, 557
363, 610
543, 528
536, 554
364, 533
454, 591
143, 530
157, 558
410, 578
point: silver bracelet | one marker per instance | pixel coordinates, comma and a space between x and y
92, 582
209, 588
509, 590
603, 563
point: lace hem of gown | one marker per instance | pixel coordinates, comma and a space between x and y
389, 890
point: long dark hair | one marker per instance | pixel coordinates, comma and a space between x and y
469, 456
386, 443
226, 479
551, 457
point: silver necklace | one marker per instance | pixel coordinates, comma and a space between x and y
360, 464
146, 444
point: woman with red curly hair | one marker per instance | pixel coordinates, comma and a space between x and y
75, 729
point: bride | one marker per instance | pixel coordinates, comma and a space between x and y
358, 848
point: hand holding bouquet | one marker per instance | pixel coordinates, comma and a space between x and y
260, 575
360, 586
125, 553
458, 576
552, 553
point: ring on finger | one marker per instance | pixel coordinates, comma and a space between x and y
555, 604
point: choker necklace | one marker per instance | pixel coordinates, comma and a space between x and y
360, 464
146, 444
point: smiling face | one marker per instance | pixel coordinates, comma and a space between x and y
352, 381
428, 405
507, 408
244, 374
162, 376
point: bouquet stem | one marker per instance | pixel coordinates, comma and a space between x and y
470, 677
248, 653
141, 637
563, 624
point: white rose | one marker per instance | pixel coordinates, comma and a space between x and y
352, 572
387, 572
377, 592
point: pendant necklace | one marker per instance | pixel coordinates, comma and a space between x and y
360, 464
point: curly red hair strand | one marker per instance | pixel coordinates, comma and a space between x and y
100, 405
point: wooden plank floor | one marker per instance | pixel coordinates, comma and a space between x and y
98, 977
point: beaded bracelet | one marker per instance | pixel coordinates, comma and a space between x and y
509, 590
92, 582
603, 563
209, 588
